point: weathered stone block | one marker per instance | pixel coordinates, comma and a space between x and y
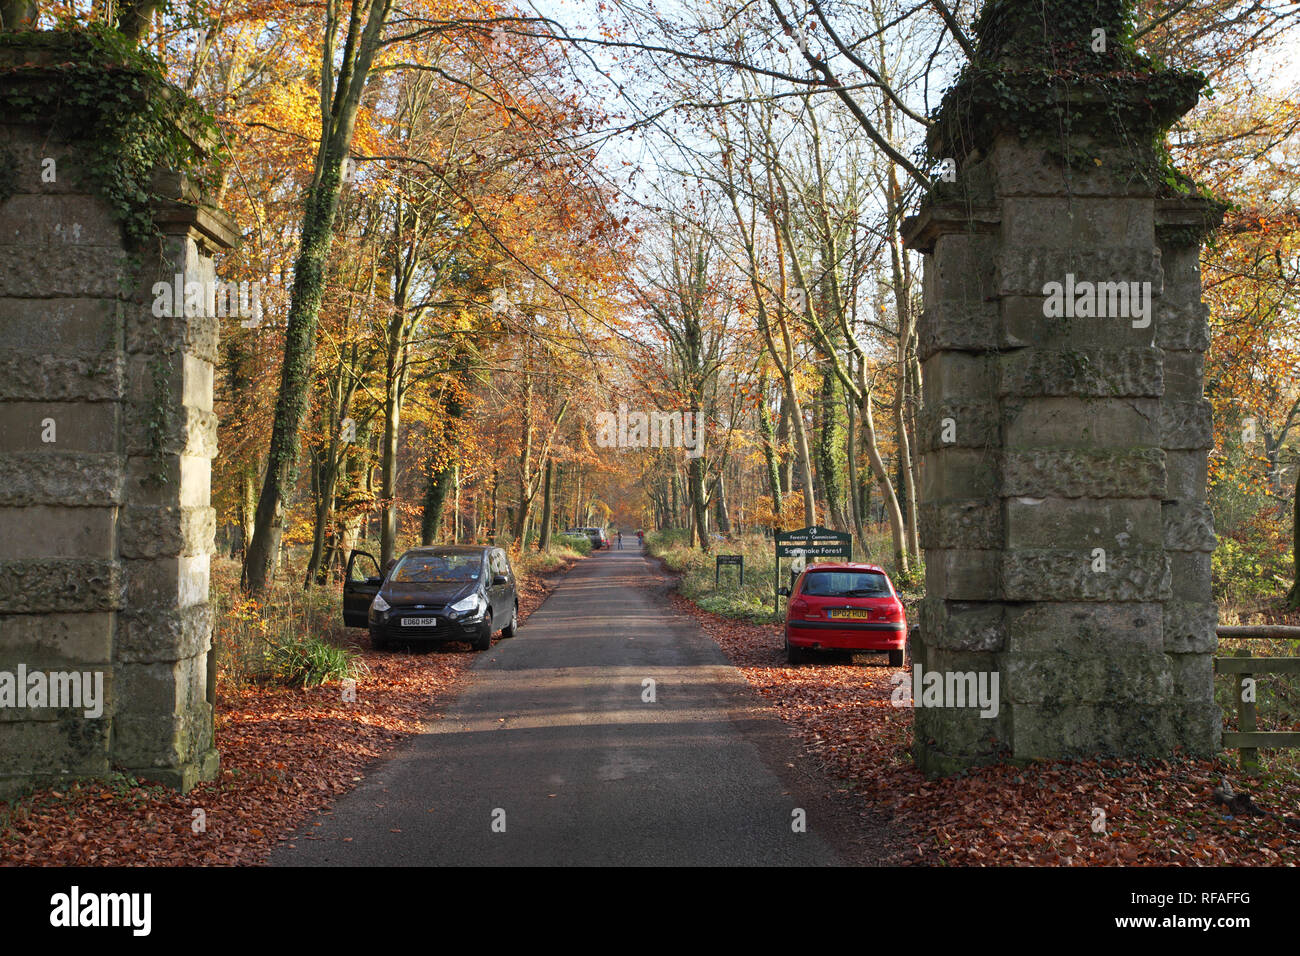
963, 626
197, 336
1136, 372
1188, 526
963, 269
77, 427
1190, 575
958, 377
57, 639
1113, 524
58, 531
1120, 728
1024, 270
1023, 325
196, 389
70, 223
1068, 575
1186, 425
962, 575
147, 635
71, 695
152, 532
59, 378
60, 326
162, 688
1184, 375
1030, 169
1193, 676
967, 523
1078, 222
1190, 627
167, 582
186, 483
44, 585
1091, 423
1053, 677
183, 430
952, 424
152, 741
33, 750
1198, 726
1182, 326
1187, 473
1182, 266
952, 472
60, 478
96, 272
965, 327
29, 147
1084, 630
1084, 473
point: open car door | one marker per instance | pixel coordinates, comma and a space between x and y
360, 587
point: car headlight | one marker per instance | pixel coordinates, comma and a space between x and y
471, 605
379, 604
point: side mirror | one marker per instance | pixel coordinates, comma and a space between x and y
784, 592
498, 580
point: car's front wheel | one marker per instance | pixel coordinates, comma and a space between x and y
484, 640
510, 629
377, 640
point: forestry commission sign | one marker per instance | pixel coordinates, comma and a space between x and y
813, 542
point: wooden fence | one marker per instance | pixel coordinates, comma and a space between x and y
1247, 738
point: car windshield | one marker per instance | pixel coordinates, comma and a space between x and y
436, 568
846, 584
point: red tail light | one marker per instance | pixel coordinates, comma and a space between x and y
798, 607
894, 613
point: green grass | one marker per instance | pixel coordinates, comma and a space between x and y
310, 662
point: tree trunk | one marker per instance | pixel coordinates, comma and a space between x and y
805, 457
769, 449
891, 498
544, 539
855, 505
829, 441
695, 479
317, 232
436, 489
720, 505
1293, 598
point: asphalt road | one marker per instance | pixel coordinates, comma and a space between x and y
552, 754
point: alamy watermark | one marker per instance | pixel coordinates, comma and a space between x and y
654, 429
948, 689
78, 690
77, 909
1098, 300
241, 299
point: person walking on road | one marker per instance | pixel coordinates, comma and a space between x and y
620, 540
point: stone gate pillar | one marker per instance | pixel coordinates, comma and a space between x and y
106, 438
1063, 434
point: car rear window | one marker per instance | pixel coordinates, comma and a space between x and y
433, 568
846, 584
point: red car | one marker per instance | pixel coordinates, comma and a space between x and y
844, 607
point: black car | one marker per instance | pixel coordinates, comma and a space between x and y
452, 593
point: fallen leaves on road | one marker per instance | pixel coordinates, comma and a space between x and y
1156, 812
285, 754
